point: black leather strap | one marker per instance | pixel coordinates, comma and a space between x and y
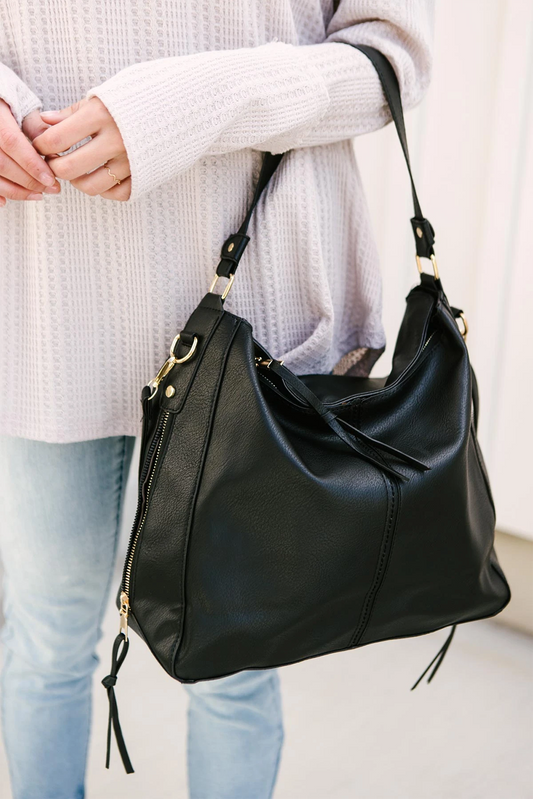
120, 650
233, 248
422, 228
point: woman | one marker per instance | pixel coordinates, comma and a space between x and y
169, 106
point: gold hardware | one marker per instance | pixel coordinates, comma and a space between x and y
170, 362
124, 613
419, 232
267, 362
228, 287
163, 372
464, 331
186, 357
231, 246
433, 261
170, 391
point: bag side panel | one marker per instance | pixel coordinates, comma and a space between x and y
441, 567
157, 578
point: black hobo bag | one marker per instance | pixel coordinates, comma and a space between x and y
283, 517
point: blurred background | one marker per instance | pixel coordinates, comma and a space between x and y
353, 729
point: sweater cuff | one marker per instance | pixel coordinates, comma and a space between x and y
172, 111
17, 95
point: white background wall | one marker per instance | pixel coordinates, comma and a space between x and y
472, 146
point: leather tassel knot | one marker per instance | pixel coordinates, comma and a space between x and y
120, 650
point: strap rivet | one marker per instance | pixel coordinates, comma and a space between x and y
170, 391
419, 232
231, 246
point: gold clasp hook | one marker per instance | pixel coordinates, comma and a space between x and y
170, 362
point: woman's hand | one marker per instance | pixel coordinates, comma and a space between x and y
23, 173
105, 150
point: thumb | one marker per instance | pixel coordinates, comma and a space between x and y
33, 125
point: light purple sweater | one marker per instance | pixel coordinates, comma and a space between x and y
93, 291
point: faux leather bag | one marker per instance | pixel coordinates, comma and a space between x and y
283, 517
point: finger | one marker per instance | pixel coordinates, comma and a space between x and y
120, 193
2, 202
16, 145
53, 117
86, 158
14, 192
83, 121
33, 125
12, 171
100, 181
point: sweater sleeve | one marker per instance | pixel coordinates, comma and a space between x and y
16, 94
274, 97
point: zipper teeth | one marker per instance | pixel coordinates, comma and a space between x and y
135, 536
377, 391
142, 478
427, 342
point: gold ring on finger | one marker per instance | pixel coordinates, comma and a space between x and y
111, 175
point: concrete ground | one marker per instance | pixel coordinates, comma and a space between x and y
353, 729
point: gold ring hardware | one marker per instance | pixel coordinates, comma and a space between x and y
170, 362
228, 287
433, 261
464, 331
186, 357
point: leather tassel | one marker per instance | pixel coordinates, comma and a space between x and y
439, 657
386, 447
338, 426
109, 682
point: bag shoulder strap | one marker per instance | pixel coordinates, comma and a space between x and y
234, 246
422, 228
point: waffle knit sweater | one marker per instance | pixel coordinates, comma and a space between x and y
92, 291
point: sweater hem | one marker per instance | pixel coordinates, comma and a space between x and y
127, 427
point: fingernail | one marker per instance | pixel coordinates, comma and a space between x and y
47, 179
34, 196
52, 189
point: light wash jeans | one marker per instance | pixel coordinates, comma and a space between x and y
60, 509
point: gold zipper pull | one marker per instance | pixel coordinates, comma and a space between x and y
124, 613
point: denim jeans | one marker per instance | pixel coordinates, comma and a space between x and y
60, 509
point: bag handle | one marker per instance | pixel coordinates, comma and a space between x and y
422, 228
234, 246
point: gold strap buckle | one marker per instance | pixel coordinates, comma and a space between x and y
228, 287
170, 362
433, 261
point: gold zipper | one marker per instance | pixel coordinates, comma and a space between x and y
124, 613
124, 596
427, 342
